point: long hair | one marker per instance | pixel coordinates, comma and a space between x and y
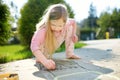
53, 12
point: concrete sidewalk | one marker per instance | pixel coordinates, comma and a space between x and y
100, 61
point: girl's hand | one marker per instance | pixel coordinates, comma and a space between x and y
74, 38
73, 56
49, 64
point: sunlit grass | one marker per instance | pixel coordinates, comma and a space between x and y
77, 45
13, 52
17, 52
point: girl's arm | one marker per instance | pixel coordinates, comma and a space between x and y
70, 39
74, 24
37, 40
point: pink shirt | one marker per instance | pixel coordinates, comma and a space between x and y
37, 42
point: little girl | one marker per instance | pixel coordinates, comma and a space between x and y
54, 28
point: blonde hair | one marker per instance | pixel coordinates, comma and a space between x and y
53, 12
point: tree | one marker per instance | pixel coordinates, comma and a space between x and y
5, 27
92, 18
91, 21
30, 15
104, 23
115, 21
110, 22
89, 25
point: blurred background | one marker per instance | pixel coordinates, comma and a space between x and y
95, 19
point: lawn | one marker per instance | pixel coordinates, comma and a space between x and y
17, 52
77, 45
13, 52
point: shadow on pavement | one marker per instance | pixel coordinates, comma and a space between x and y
72, 70
94, 54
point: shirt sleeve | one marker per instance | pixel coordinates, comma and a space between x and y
68, 40
37, 39
73, 23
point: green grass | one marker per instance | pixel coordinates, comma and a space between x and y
10, 53
77, 45
13, 52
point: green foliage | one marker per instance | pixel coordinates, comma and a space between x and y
107, 21
104, 23
92, 11
115, 21
30, 15
10, 53
71, 13
92, 18
13, 52
5, 27
77, 45
91, 21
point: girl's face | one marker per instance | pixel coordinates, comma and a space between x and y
57, 25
